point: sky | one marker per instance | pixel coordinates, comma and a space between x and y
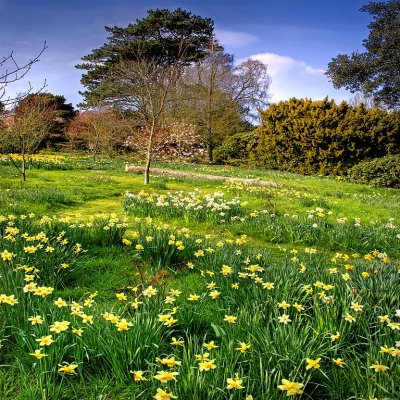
295, 38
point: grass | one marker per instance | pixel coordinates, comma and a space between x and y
286, 282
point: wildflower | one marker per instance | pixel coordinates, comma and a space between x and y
169, 300
394, 326
165, 376
346, 276
243, 347
211, 285
268, 285
177, 342
6, 255
379, 367
193, 297
226, 270
207, 365
333, 270
292, 388
298, 307
58, 326
30, 287
150, 291
387, 350
230, 318
339, 362
170, 321
284, 319
60, 303
163, 395
123, 325
313, 363
121, 296
175, 292
170, 362
138, 376
349, 318
45, 340
356, 307
139, 247
214, 294
68, 369
235, 286
335, 337
38, 354
234, 383
384, 318
211, 345
77, 331
126, 242
87, 319
35, 320
284, 305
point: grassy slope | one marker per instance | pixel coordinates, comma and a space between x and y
88, 192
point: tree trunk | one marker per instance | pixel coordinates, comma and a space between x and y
147, 169
210, 152
23, 167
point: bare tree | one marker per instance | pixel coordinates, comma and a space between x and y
250, 86
11, 71
100, 130
148, 90
23, 131
221, 96
363, 98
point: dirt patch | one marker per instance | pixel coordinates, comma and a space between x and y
182, 174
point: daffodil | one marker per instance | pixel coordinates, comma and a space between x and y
312, 363
292, 388
234, 383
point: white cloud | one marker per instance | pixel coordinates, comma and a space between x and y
296, 78
234, 38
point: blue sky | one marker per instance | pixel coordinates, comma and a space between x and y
295, 38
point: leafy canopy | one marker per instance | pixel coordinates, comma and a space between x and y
164, 37
376, 71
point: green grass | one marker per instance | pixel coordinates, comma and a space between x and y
205, 255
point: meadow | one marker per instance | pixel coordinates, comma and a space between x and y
196, 289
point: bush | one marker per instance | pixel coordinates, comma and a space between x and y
236, 147
383, 171
305, 136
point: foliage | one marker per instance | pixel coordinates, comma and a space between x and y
162, 38
375, 71
383, 171
99, 130
237, 147
24, 132
321, 137
62, 113
144, 77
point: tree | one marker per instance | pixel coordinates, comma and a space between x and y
100, 130
139, 68
29, 124
221, 96
163, 37
376, 71
62, 112
12, 71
